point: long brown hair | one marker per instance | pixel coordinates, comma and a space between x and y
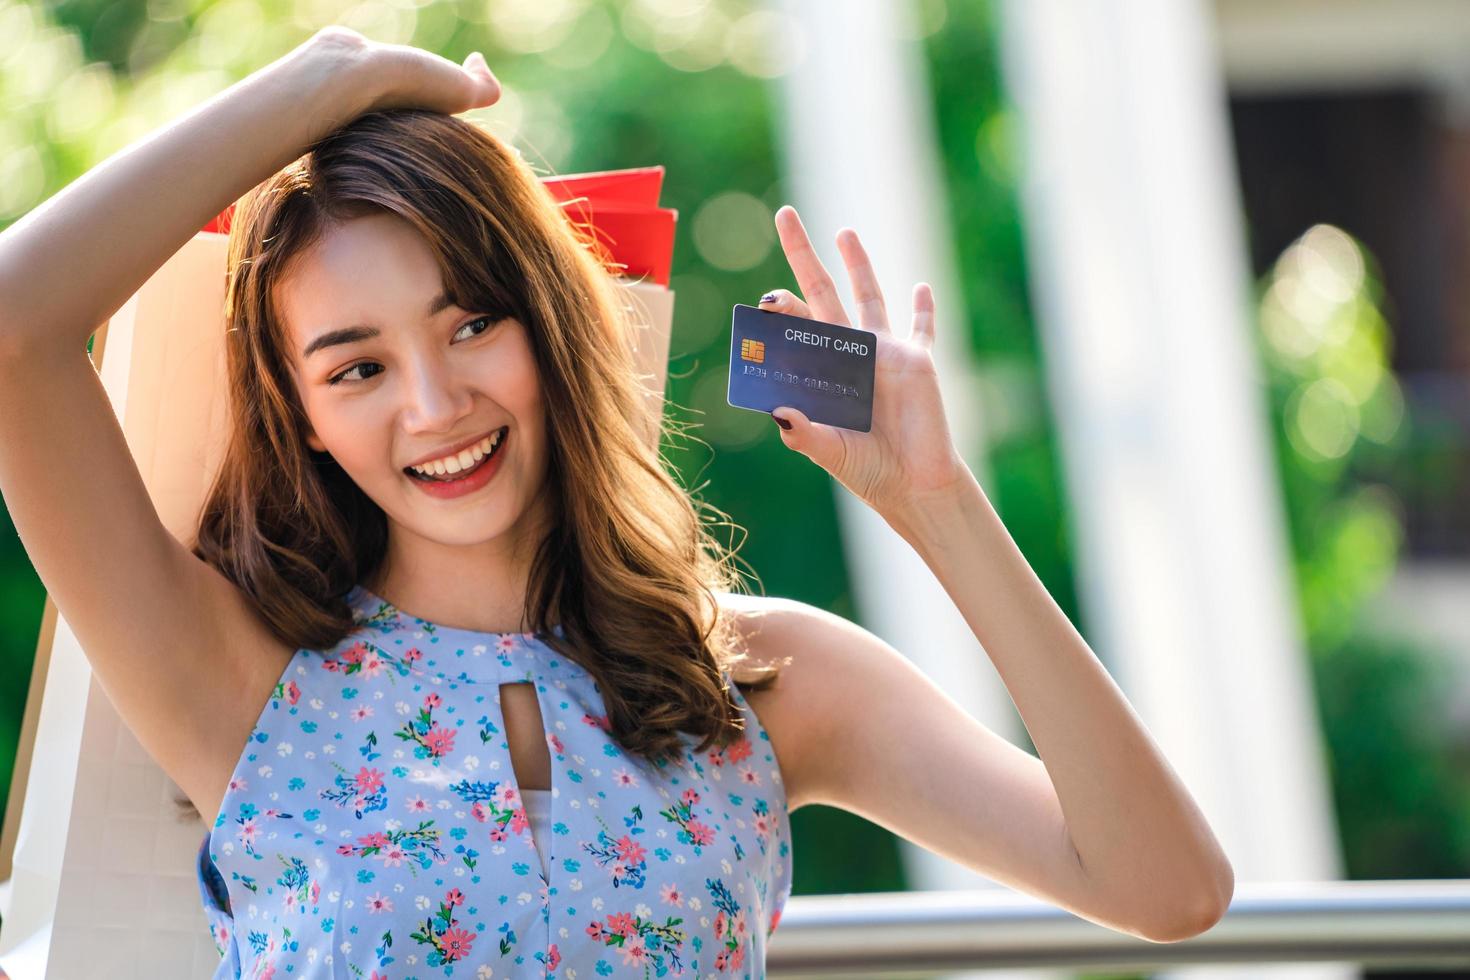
628, 568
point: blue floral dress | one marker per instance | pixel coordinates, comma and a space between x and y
373, 828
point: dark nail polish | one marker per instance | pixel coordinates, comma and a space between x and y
768, 298
781, 422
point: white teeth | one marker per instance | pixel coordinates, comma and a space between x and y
462, 460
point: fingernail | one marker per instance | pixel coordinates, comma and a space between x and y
781, 422
768, 298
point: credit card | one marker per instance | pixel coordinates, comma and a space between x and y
822, 369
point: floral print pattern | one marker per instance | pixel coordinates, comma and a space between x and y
373, 828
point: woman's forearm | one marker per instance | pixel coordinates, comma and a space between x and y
73, 261
1136, 830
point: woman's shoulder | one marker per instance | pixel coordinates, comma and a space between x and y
796, 639
764, 628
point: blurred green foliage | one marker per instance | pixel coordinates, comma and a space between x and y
1402, 799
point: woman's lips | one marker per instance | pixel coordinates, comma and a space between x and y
466, 481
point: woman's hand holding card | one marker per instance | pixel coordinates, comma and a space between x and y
908, 453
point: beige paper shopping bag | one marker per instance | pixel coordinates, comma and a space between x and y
102, 857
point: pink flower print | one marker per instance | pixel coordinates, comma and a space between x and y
621, 924
417, 804
457, 943
722, 960
360, 713
316, 892
625, 779
700, 834
598, 721
368, 781
670, 894
553, 957
737, 957
633, 952
432, 701
392, 857
353, 654
555, 743
720, 926
508, 795
738, 927
372, 664
454, 897
739, 751
595, 931
378, 903
749, 776
267, 972
479, 811
439, 741
630, 851
762, 824
498, 833
518, 820
289, 902
376, 839
238, 785
690, 796
413, 656
344, 848
716, 757
505, 644
293, 693
249, 830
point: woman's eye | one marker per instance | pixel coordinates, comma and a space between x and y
343, 375
488, 321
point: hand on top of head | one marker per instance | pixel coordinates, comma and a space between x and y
401, 76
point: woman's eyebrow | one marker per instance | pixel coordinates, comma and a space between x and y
365, 331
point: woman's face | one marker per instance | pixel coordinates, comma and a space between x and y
422, 381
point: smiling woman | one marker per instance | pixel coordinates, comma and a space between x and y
438, 296
434, 405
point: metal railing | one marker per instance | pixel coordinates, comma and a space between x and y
1372, 923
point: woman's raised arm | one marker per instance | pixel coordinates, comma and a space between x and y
176, 646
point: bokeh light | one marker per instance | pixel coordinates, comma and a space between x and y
532, 27
734, 231
766, 44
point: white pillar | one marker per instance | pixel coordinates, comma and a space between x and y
1142, 291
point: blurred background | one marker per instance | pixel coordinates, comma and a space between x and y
1201, 272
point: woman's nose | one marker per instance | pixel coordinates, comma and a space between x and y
436, 398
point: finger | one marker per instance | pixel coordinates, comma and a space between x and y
872, 313
785, 301
422, 79
817, 287
923, 328
486, 89
822, 444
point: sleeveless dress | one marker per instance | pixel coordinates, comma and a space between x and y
373, 829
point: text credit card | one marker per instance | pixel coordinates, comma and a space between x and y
822, 369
